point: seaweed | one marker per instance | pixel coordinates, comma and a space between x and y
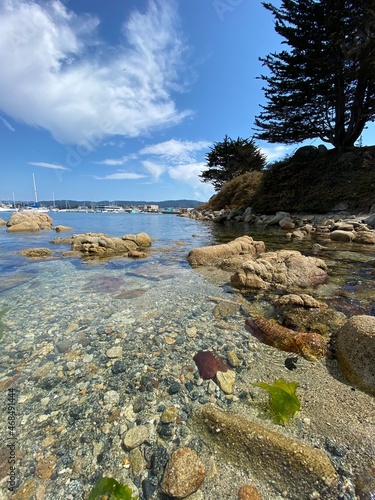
283, 399
111, 489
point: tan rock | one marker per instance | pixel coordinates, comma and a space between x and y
136, 436
233, 359
184, 473
355, 349
215, 254
226, 380
365, 237
26, 226
295, 468
60, 228
282, 269
27, 221
99, 245
2, 222
36, 252
342, 235
286, 224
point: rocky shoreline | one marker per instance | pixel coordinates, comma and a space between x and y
112, 388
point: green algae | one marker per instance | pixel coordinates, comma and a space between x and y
283, 399
112, 489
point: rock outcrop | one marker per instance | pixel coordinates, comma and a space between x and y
284, 269
214, 255
28, 221
102, 246
355, 348
335, 227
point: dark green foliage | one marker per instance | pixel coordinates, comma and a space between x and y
231, 158
317, 185
323, 86
283, 399
112, 489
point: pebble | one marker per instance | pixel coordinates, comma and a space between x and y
226, 380
136, 436
114, 352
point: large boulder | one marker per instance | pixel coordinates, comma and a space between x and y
28, 221
214, 255
284, 269
355, 348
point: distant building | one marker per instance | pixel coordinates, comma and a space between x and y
151, 208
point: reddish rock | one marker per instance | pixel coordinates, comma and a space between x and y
311, 346
248, 492
209, 364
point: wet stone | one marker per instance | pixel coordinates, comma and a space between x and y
136, 436
64, 345
118, 367
174, 388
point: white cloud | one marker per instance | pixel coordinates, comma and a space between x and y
175, 150
59, 76
113, 161
7, 124
189, 174
155, 169
47, 165
119, 176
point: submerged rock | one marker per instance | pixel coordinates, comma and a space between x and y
184, 473
311, 346
36, 252
209, 364
355, 349
292, 467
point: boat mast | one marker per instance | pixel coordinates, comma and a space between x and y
35, 193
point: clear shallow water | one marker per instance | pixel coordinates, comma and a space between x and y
46, 303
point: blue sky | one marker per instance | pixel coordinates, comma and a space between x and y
122, 100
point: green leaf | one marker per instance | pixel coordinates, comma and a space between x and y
116, 490
283, 399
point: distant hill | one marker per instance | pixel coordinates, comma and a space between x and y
122, 203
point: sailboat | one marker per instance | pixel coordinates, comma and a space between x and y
36, 207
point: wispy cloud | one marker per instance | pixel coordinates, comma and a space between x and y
155, 169
53, 166
175, 150
60, 76
7, 124
113, 162
120, 176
